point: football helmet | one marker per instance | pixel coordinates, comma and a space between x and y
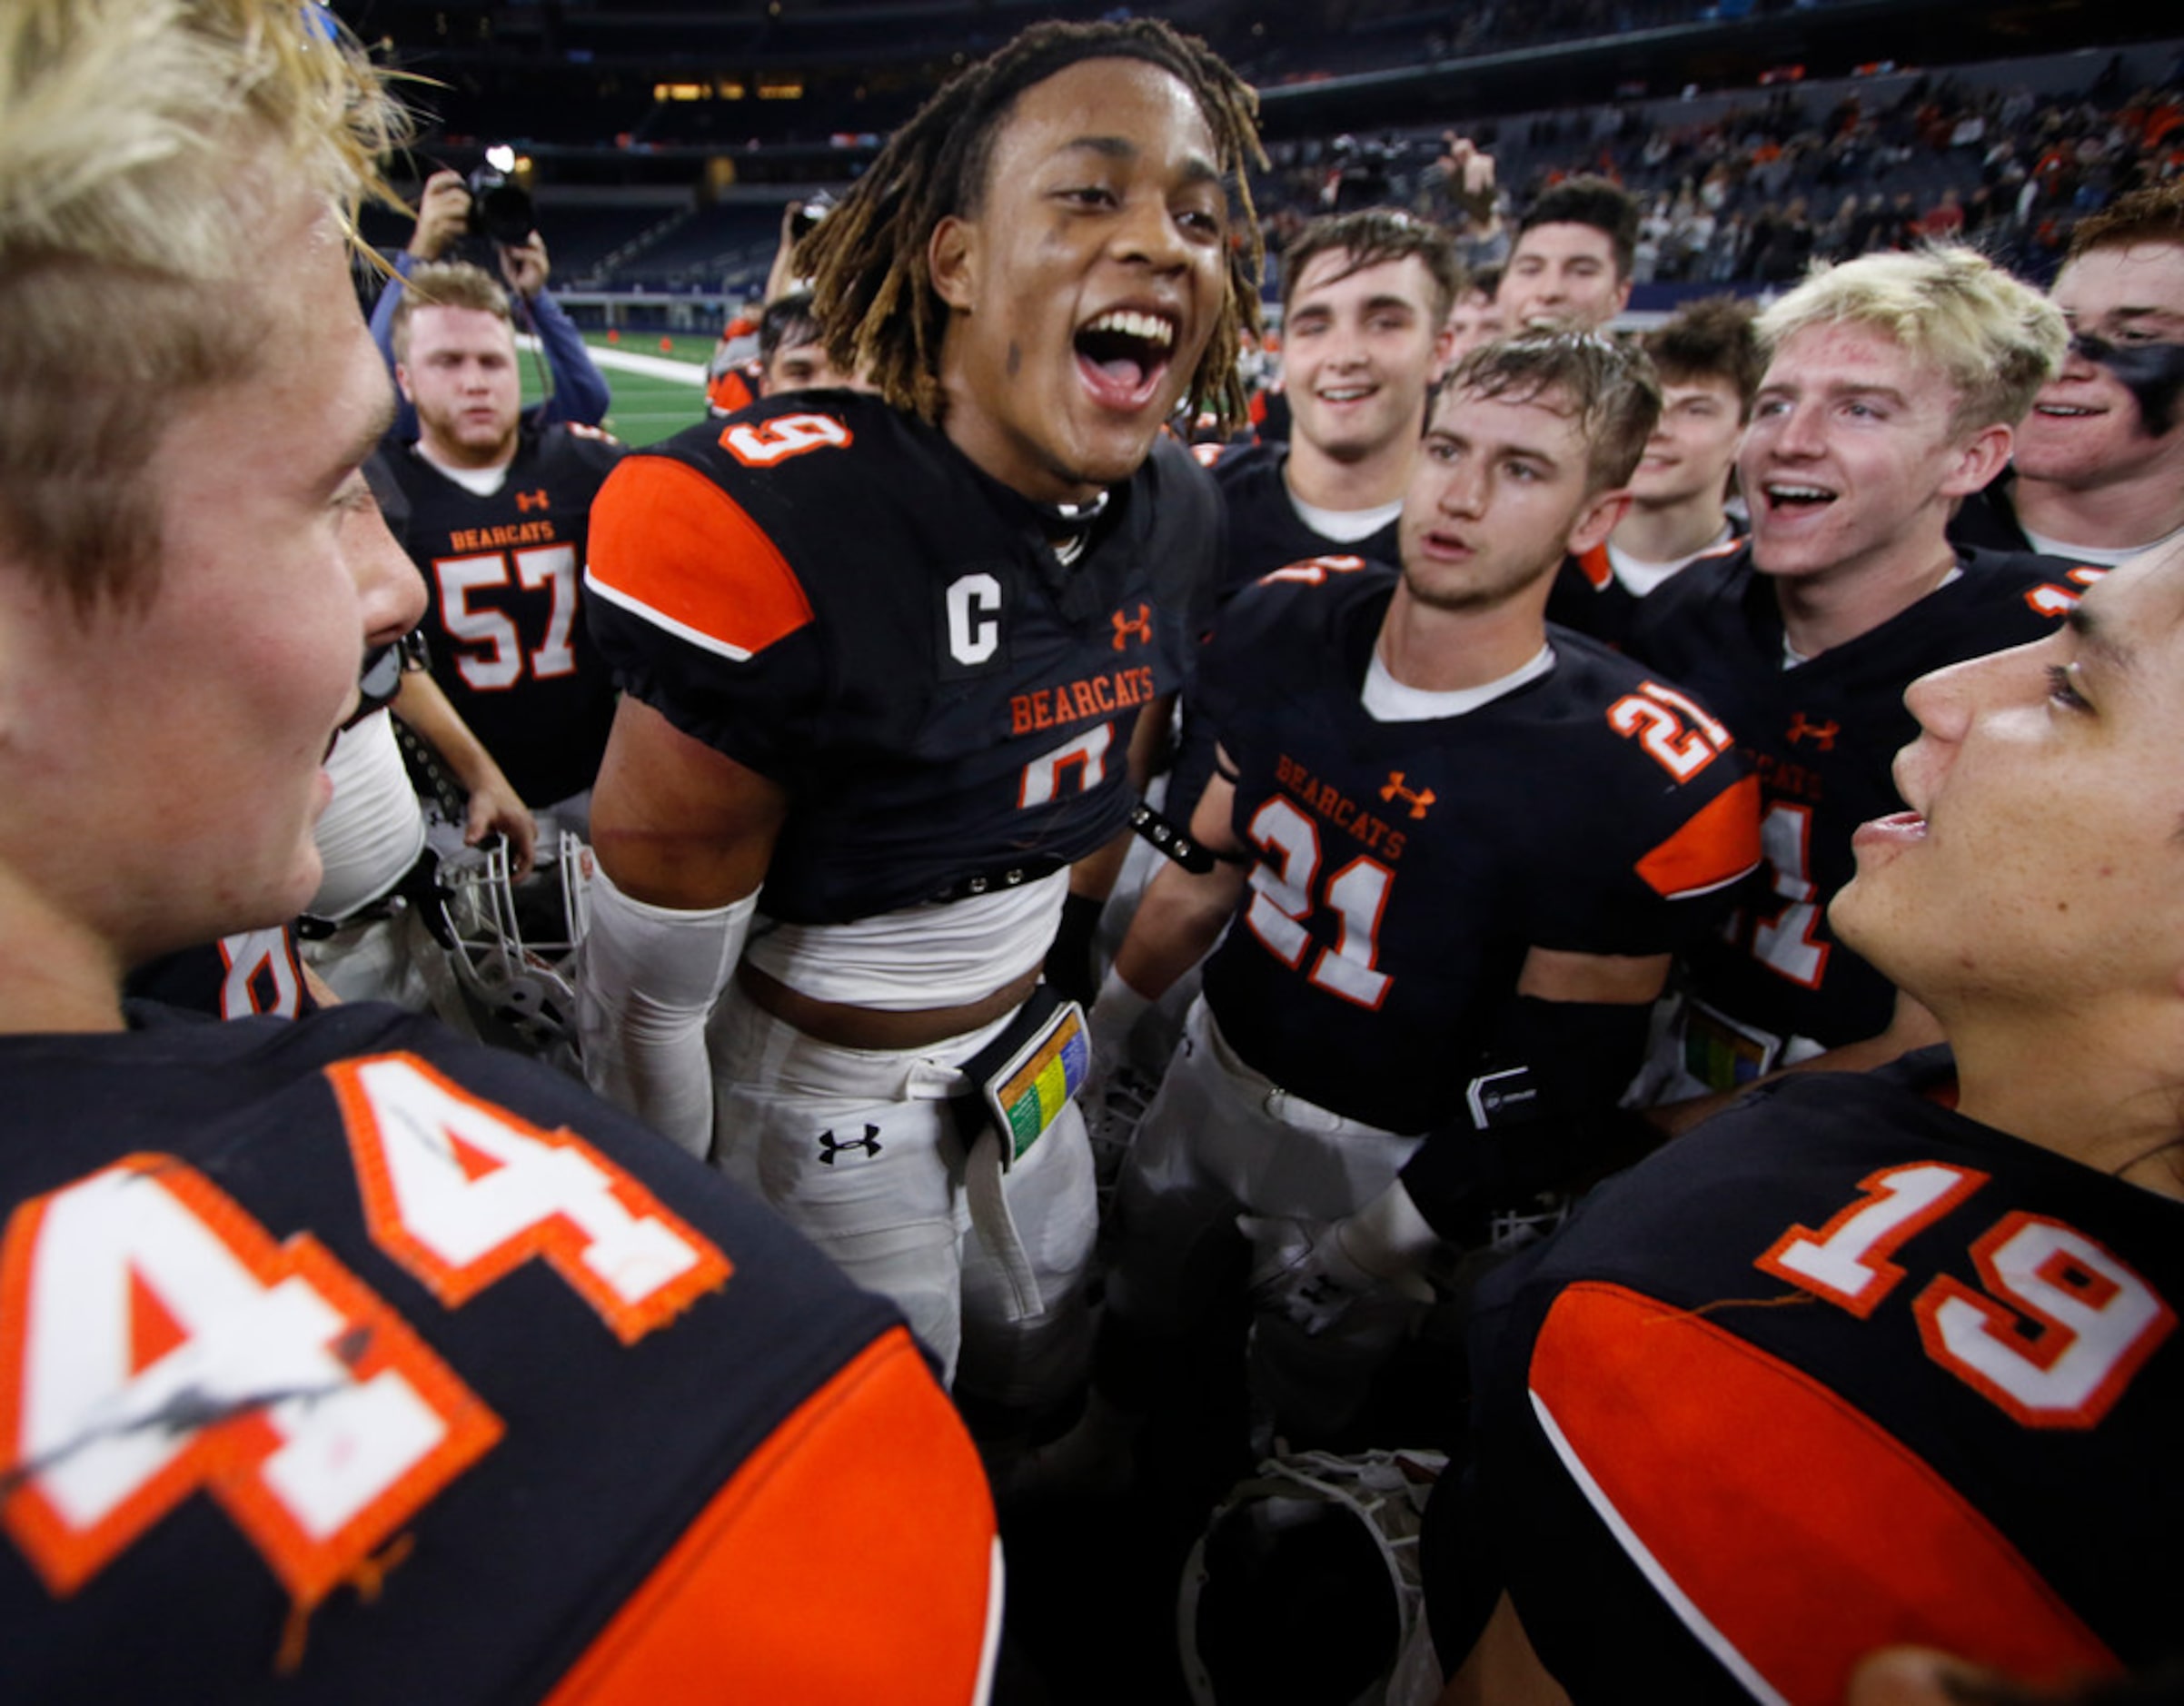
513, 945
1306, 1585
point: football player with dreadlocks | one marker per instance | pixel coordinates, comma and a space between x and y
883, 658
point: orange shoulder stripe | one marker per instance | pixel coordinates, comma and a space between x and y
1717, 845
1791, 1533
670, 545
852, 1558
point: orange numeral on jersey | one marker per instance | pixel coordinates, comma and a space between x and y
460, 1192
1846, 1260
263, 975
2095, 1321
1677, 731
777, 440
155, 1341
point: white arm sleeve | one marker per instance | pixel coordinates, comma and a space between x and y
647, 978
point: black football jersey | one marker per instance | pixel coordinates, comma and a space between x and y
1403, 869
830, 593
344, 1361
1265, 531
1262, 532
1588, 595
1988, 519
508, 642
1824, 736
1841, 1370
250, 973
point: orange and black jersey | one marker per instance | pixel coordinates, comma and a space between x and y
508, 642
1824, 736
1842, 1369
342, 1360
1403, 869
239, 977
830, 593
1987, 520
1264, 529
1590, 598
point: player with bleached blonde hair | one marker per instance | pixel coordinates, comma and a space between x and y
339, 1358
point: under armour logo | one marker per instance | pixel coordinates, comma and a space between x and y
868, 1143
1824, 734
1142, 627
526, 502
1417, 802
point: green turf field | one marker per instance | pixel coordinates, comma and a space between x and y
647, 406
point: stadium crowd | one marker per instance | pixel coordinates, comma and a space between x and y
1505, 994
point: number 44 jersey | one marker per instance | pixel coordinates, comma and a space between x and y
1403, 870
1842, 1369
344, 1361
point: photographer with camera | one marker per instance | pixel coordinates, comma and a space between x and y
485, 205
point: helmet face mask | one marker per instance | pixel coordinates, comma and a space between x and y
514, 945
1305, 1583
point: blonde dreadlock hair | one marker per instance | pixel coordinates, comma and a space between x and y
874, 293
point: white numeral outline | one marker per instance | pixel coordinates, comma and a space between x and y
1281, 900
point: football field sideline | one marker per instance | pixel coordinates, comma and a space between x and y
654, 395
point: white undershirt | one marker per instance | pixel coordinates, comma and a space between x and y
1388, 700
481, 482
1639, 577
2099, 556
1344, 526
933, 954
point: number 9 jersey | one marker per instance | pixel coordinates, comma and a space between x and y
830, 593
1405, 868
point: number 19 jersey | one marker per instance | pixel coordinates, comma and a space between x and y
1843, 1369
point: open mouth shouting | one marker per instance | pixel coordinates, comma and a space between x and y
1786, 498
1124, 355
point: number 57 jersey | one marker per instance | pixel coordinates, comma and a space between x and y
1403, 869
510, 646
